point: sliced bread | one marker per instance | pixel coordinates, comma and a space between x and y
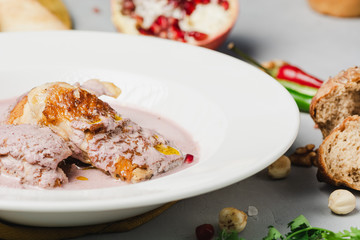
339, 155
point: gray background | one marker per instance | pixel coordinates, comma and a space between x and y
266, 30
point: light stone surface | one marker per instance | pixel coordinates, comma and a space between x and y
266, 30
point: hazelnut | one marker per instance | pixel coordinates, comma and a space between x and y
232, 219
280, 168
342, 201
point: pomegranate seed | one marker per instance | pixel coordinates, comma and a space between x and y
173, 21
175, 3
162, 21
165, 27
224, 4
144, 31
178, 35
128, 7
205, 232
189, 7
198, 36
155, 29
163, 34
175, 27
189, 158
168, 27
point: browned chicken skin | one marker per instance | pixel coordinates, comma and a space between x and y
96, 133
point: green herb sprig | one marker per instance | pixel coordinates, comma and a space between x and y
300, 229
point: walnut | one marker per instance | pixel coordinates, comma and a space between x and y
304, 156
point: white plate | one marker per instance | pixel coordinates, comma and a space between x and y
242, 119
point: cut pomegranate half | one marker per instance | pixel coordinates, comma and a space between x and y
203, 23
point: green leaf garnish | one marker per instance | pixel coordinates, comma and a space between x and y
300, 229
273, 234
299, 223
224, 235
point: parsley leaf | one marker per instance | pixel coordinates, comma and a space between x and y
300, 229
224, 235
273, 234
353, 234
299, 223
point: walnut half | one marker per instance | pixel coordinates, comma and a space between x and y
304, 156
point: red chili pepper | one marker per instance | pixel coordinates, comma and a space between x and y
300, 85
294, 74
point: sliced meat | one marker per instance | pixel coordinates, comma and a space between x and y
32, 154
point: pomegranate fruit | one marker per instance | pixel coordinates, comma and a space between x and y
203, 23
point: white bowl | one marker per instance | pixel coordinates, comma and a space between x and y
241, 118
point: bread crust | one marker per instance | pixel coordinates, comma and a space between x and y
33, 15
327, 88
337, 8
322, 173
344, 79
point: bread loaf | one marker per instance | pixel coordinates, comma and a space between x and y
335, 110
33, 15
337, 99
338, 8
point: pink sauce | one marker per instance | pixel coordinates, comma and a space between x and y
93, 178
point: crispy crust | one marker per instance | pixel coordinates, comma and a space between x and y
328, 86
17, 111
342, 80
58, 8
338, 8
343, 83
33, 15
73, 104
322, 173
74, 112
